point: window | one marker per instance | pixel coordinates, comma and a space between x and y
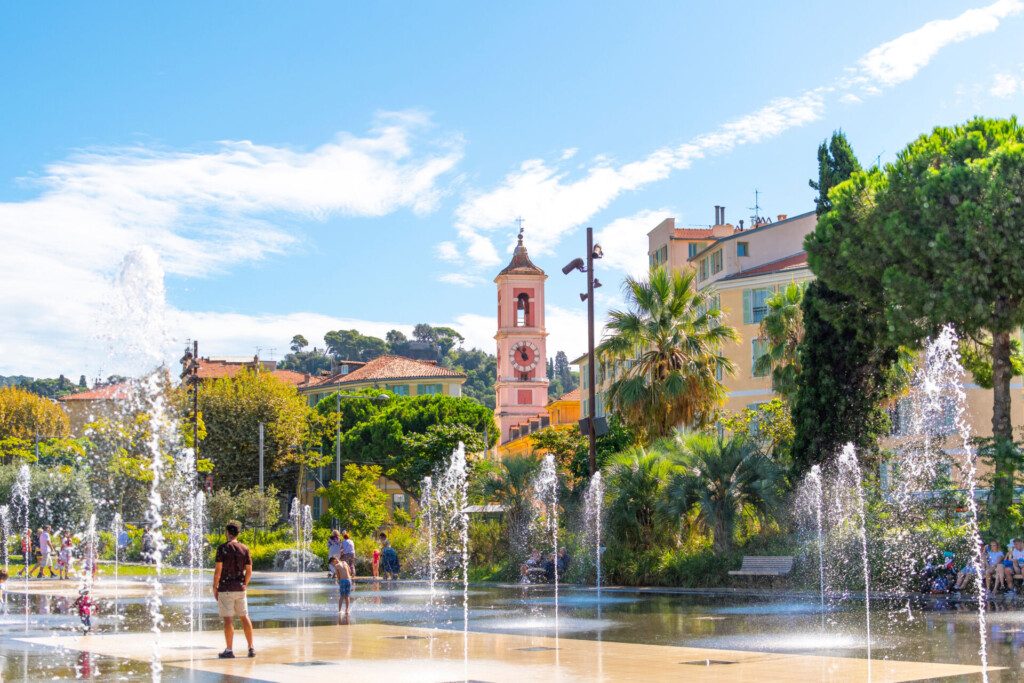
659, 256
755, 304
743, 248
522, 309
585, 407
716, 262
427, 389
398, 389
399, 502
524, 397
691, 249
755, 422
719, 371
317, 507
704, 268
758, 347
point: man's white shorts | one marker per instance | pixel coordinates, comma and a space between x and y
232, 604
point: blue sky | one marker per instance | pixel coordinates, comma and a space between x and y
276, 171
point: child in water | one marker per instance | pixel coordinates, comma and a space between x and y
343, 575
85, 607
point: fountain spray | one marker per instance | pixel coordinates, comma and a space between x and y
848, 462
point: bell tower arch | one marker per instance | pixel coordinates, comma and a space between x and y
521, 386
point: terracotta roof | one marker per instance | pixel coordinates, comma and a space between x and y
110, 392
220, 369
792, 262
693, 233
521, 263
573, 395
391, 368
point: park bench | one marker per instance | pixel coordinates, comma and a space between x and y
772, 566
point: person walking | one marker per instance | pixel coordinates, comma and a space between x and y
45, 550
388, 559
231, 577
348, 553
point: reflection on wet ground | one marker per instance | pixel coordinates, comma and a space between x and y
732, 623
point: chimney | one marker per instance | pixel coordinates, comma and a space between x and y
741, 224
721, 210
782, 217
717, 207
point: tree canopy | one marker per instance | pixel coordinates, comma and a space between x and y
668, 343
408, 436
936, 238
25, 415
232, 409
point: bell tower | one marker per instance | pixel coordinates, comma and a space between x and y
522, 383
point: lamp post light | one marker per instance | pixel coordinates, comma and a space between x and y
594, 251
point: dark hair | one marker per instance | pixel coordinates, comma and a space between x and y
345, 534
3, 575
232, 528
383, 536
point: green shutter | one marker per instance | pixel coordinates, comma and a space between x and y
748, 307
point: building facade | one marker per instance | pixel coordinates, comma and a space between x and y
397, 374
521, 385
564, 412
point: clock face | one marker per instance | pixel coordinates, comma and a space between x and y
524, 356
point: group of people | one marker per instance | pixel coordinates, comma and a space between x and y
341, 560
53, 554
1000, 569
536, 569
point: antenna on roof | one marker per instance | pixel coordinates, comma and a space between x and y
755, 218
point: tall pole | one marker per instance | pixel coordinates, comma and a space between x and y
261, 457
195, 400
592, 436
337, 443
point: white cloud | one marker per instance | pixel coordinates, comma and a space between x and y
624, 241
900, 59
556, 201
461, 279
1005, 85
199, 212
447, 251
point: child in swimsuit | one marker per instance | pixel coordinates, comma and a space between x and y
343, 574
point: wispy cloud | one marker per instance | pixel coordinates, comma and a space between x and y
900, 59
200, 212
1006, 85
557, 200
461, 279
625, 241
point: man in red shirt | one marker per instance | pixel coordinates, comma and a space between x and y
230, 579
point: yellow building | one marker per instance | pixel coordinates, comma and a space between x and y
561, 412
742, 268
397, 374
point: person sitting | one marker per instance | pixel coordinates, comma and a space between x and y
531, 565
549, 568
1017, 559
994, 566
563, 561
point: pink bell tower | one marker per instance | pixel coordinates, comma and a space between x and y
522, 383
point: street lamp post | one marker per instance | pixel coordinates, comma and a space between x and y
587, 266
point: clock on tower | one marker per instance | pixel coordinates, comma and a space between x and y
522, 385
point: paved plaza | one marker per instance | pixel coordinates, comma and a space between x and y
401, 653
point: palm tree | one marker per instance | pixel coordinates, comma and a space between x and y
783, 329
668, 347
511, 486
636, 483
719, 480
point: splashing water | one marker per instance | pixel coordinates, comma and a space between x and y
117, 528
196, 548
5, 535
849, 467
427, 496
21, 492
546, 489
593, 506
451, 499
810, 500
307, 542
944, 377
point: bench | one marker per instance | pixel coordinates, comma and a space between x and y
766, 565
